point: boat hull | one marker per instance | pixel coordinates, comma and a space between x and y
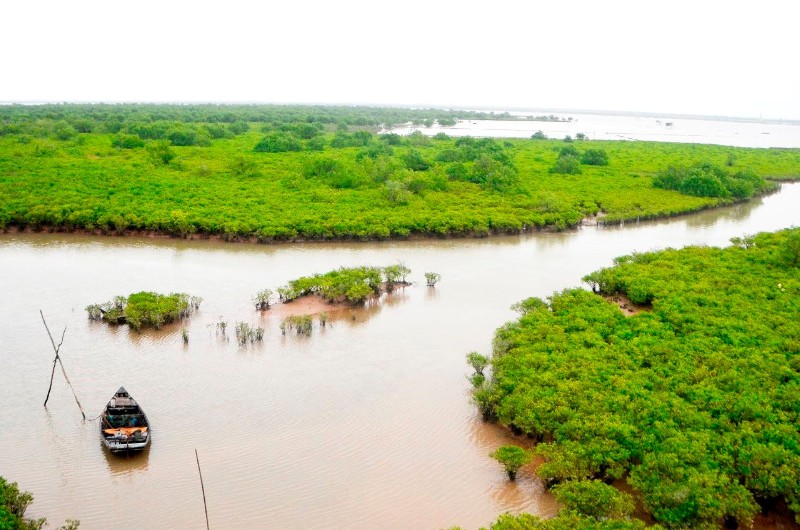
124, 426
124, 447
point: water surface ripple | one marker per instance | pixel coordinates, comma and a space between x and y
365, 424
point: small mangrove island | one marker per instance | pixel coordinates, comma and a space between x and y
352, 285
286, 173
145, 309
690, 408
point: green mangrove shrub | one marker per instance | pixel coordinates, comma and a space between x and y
247, 334
262, 299
594, 498
710, 180
347, 284
568, 161
145, 309
694, 401
512, 458
477, 361
594, 157
432, 278
566, 521
14, 503
302, 324
220, 328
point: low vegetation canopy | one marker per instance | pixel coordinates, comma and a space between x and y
274, 173
145, 309
346, 284
14, 503
694, 401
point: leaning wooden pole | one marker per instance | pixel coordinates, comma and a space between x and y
202, 487
58, 360
53, 372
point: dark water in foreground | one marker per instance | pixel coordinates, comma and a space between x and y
365, 424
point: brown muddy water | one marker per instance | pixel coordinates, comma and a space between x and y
365, 424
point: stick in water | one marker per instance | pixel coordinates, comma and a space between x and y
58, 359
53, 373
202, 487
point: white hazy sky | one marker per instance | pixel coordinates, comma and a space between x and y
704, 57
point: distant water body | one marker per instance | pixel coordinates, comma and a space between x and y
733, 132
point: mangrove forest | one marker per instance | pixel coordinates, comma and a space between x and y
283, 173
692, 403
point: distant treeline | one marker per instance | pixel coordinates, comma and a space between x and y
111, 118
320, 173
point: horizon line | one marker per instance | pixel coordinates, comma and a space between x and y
469, 108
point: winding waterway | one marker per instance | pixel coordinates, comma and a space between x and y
365, 424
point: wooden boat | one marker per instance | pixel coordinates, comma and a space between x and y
124, 426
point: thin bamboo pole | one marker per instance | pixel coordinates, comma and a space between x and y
58, 359
202, 487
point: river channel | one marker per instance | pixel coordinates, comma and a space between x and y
365, 424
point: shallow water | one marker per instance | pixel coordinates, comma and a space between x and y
738, 133
365, 424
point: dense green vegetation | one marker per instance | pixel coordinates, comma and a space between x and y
708, 180
512, 458
284, 173
695, 402
566, 521
594, 498
71, 119
145, 309
585, 505
350, 284
14, 503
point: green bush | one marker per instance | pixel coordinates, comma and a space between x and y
14, 503
414, 161
709, 180
182, 136
160, 152
512, 458
127, 141
145, 309
593, 498
353, 284
567, 165
594, 157
566, 521
277, 142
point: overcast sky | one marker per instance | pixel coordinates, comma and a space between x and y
702, 57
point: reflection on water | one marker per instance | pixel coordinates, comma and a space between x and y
126, 463
364, 424
431, 293
511, 496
